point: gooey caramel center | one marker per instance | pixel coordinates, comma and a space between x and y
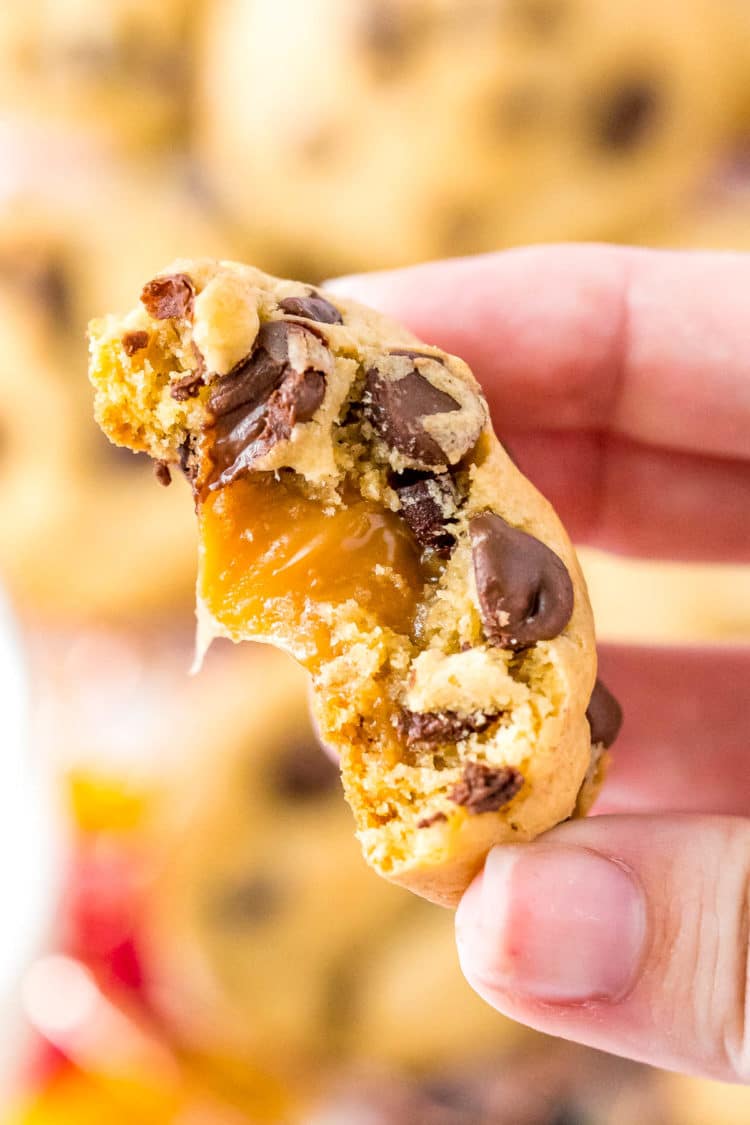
267, 550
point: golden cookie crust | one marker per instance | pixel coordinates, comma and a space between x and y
511, 749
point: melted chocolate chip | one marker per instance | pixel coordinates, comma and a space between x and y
604, 714
133, 342
525, 592
162, 473
486, 788
167, 297
395, 408
187, 387
440, 726
313, 307
247, 902
428, 821
428, 502
303, 773
627, 116
259, 402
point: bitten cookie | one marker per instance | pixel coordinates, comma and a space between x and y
356, 509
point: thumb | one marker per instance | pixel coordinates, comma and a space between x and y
629, 934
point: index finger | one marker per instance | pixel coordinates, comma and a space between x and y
650, 345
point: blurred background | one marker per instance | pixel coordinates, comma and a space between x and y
191, 934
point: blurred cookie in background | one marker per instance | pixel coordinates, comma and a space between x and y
643, 600
90, 535
355, 134
117, 69
265, 936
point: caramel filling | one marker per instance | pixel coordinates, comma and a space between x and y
268, 551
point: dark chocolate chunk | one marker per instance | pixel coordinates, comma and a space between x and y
428, 821
604, 714
313, 307
440, 726
395, 408
259, 402
246, 902
162, 473
427, 504
133, 342
486, 788
167, 297
525, 592
186, 387
626, 117
303, 772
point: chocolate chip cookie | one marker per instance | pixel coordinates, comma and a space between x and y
438, 127
356, 509
71, 236
116, 68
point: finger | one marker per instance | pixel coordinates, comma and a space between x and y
685, 740
628, 934
647, 344
616, 494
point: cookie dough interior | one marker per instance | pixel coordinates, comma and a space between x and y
356, 509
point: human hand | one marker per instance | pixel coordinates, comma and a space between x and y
621, 381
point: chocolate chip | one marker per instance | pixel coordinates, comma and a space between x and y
162, 473
43, 280
246, 902
187, 387
167, 297
303, 772
395, 408
525, 592
428, 821
313, 307
440, 726
626, 116
486, 788
259, 402
538, 17
604, 714
428, 502
133, 342
388, 33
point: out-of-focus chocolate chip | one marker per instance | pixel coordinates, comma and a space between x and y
187, 387
428, 502
538, 17
627, 116
303, 772
133, 342
486, 788
259, 402
440, 726
428, 821
44, 280
313, 307
168, 297
525, 592
604, 714
396, 407
246, 902
162, 473
388, 33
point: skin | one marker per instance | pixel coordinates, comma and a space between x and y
620, 379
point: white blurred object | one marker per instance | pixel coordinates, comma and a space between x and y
29, 846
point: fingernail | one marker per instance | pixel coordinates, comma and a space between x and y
561, 924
